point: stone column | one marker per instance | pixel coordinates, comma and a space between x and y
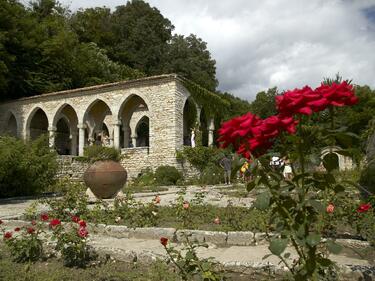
126, 136
134, 140
211, 128
52, 135
73, 137
116, 134
81, 138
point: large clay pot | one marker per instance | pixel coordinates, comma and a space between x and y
105, 178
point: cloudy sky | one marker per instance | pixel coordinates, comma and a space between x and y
283, 43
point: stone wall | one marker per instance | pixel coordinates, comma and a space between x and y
71, 168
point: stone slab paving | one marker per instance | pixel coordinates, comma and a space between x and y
251, 255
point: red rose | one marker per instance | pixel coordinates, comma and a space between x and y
82, 232
75, 219
330, 208
338, 94
164, 241
364, 208
82, 223
54, 222
157, 199
33, 222
30, 230
186, 205
7, 235
17, 229
44, 217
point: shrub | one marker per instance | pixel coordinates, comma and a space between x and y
24, 243
212, 174
145, 178
97, 153
367, 179
200, 156
26, 168
167, 175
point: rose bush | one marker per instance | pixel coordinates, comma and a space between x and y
297, 205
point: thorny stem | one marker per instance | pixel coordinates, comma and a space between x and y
175, 263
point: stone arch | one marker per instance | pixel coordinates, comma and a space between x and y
123, 103
12, 124
344, 162
65, 121
190, 112
36, 124
93, 118
143, 132
133, 108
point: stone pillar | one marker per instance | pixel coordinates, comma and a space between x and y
81, 138
134, 140
199, 110
73, 137
52, 135
126, 136
116, 134
211, 128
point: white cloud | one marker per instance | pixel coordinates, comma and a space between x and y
284, 43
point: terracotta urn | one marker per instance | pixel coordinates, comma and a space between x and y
105, 178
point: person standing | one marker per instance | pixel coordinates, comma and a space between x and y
226, 164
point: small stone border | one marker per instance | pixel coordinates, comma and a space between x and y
219, 238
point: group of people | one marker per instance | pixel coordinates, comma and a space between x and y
276, 164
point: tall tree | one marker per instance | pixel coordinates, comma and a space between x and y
188, 56
264, 103
142, 35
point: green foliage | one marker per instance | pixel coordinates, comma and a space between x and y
200, 156
134, 213
190, 266
26, 168
367, 179
167, 175
73, 248
212, 174
73, 202
95, 153
26, 244
189, 57
145, 178
264, 104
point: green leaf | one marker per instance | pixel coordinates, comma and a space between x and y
317, 206
263, 201
313, 239
333, 247
278, 246
286, 255
339, 188
250, 186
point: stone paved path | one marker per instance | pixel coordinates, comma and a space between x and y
126, 248
14, 208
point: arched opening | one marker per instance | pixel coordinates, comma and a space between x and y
94, 119
12, 128
143, 132
62, 139
332, 159
189, 120
132, 110
38, 124
66, 136
203, 127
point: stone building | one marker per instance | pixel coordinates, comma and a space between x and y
144, 118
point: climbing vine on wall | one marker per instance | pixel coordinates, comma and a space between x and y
213, 104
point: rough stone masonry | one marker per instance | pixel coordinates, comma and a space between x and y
143, 118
